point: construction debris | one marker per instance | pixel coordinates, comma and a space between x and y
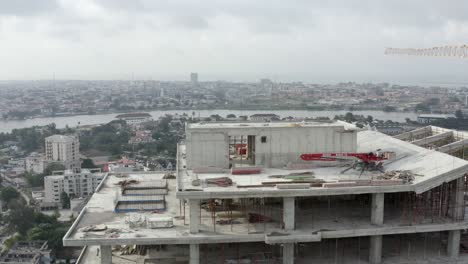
221, 181
258, 218
169, 175
94, 228
405, 175
126, 183
228, 222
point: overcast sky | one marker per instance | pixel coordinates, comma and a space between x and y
239, 40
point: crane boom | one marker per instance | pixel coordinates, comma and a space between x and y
442, 51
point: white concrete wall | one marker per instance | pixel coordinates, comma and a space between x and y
209, 147
285, 145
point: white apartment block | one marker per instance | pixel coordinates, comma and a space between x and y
75, 184
63, 149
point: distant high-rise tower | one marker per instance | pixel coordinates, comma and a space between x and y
194, 78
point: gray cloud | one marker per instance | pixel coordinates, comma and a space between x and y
297, 39
27, 7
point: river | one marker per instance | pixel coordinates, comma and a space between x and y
73, 121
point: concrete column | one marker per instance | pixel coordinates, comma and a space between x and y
289, 218
375, 250
194, 207
288, 253
289, 213
106, 254
457, 200
377, 210
453, 244
194, 254
377, 218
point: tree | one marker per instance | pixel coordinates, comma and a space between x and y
8, 193
21, 218
389, 108
231, 116
55, 166
88, 164
65, 200
369, 119
349, 117
459, 114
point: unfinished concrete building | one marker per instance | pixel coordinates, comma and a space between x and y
284, 193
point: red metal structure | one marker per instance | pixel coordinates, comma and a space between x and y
368, 161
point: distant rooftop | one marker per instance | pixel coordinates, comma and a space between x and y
60, 138
232, 125
133, 115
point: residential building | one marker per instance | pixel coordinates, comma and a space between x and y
74, 183
35, 162
273, 202
63, 149
135, 118
27, 252
141, 136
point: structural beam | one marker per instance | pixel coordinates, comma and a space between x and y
194, 207
454, 146
433, 139
453, 244
414, 133
377, 218
106, 254
194, 254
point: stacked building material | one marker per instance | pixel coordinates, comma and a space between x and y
246, 170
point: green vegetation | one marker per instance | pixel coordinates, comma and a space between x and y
88, 164
8, 193
112, 137
37, 180
31, 138
23, 222
65, 200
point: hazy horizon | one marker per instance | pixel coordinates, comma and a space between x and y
309, 41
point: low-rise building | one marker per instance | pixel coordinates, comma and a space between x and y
28, 252
430, 118
135, 118
75, 184
35, 162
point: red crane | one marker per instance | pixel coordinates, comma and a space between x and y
367, 161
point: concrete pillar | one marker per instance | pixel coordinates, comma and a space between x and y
289, 218
377, 210
288, 253
289, 213
375, 250
377, 218
194, 207
194, 254
106, 254
453, 244
457, 199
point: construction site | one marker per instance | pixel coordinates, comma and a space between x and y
286, 192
